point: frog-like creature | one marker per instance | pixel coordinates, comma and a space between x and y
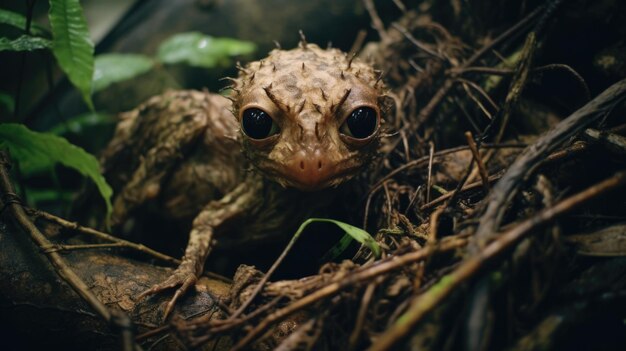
305, 121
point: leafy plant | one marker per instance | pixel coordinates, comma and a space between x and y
71, 44
19, 21
197, 49
41, 151
79, 123
351, 231
24, 43
192, 48
38, 152
7, 102
112, 68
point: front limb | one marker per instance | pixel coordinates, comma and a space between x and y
236, 204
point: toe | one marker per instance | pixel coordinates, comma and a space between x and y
186, 284
158, 288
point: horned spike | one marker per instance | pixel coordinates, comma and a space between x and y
342, 75
302, 66
351, 59
343, 99
303, 41
227, 97
324, 95
277, 45
318, 108
271, 96
274, 68
231, 137
301, 106
252, 77
228, 87
358, 72
301, 131
240, 68
234, 80
380, 77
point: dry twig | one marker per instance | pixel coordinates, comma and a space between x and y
474, 264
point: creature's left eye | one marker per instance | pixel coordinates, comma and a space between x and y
257, 124
361, 123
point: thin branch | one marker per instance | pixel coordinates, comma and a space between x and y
507, 71
476, 100
431, 156
419, 44
423, 160
104, 236
58, 248
535, 154
484, 176
398, 262
377, 23
466, 187
613, 141
266, 277
119, 242
427, 111
474, 264
400, 5
480, 90
360, 319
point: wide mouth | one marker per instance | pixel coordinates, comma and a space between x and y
291, 178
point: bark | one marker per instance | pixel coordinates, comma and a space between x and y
39, 309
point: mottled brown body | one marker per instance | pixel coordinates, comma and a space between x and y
184, 151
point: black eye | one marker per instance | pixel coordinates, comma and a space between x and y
361, 123
257, 124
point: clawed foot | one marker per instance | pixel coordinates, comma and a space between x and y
183, 277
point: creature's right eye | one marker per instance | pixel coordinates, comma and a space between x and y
257, 124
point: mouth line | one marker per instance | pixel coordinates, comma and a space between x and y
290, 180
287, 179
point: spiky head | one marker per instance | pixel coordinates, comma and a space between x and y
310, 118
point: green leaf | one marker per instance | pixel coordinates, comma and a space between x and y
112, 68
337, 249
17, 20
24, 43
38, 151
37, 197
7, 101
355, 233
71, 44
77, 124
197, 49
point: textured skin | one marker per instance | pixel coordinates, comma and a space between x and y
185, 154
303, 90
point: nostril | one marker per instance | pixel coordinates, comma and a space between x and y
302, 165
319, 165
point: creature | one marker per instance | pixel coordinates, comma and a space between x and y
306, 120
